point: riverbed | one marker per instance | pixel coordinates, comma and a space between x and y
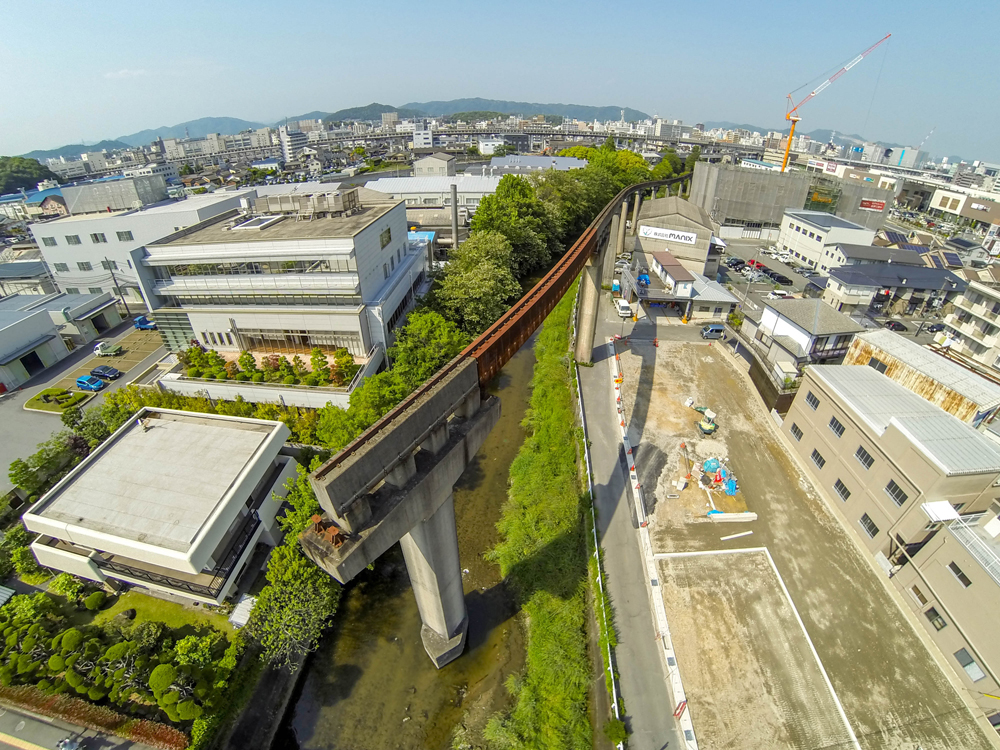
370, 685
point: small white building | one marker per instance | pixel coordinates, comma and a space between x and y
79, 318
173, 501
488, 146
436, 164
29, 342
436, 191
809, 235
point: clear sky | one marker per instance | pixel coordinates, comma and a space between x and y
84, 71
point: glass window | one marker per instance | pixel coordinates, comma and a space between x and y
385, 237
98, 237
957, 572
869, 526
229, 339
49, 241
84, 266
385, 270
63, 267
109, 265
796, 431
836, 426
894, 491
864, 457
72, 239
211, 335
124, 236
812, 400
817, 458
876, 364
842, 490
936, 619
95, 290
969, 665
918, 595
72, 290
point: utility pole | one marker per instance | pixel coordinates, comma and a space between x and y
111, 267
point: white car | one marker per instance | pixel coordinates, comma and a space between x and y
778, 294
623, 307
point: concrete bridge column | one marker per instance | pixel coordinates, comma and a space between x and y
620, 242
590, 297
635, 213
431, 552
608, 267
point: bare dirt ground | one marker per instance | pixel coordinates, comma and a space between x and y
894, 694
743, 653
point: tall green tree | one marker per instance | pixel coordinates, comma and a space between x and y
425, 344
692, 159
478, 285
516, 212
18, 172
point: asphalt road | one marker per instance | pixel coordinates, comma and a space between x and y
23, 731
648, 704
21, 431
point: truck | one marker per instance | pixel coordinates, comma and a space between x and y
107, 349
142, 323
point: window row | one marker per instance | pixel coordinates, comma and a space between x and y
90, 290
283, 300
107, 265
257, 268
97, 238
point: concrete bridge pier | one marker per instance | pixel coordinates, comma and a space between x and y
431, 553
620, 242
608, 268
398, 487
590, 294
635, 213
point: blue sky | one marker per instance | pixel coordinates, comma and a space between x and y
86, 71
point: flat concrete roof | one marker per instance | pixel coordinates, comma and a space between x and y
159, 485
288, 228
823, 219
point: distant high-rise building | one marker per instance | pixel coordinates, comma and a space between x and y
292, 141
389, 120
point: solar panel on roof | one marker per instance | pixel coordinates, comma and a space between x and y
895, 238
952, 259
937, 261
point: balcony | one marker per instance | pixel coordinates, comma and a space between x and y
983, 548
208, 583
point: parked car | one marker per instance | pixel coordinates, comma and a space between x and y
779, 294
895, 325
713, 331
143, 323
935, 327
89, 383
623, 307
107, 349
106, 372
782, 279
755, 263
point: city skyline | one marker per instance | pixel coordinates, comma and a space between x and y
694, 71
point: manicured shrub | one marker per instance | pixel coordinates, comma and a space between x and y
209, 375
289, 380
241, 377
95, 601
258, 377
194, 372
162, 678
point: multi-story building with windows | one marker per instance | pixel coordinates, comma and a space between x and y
811, 235
919, 489
287, 273
186, 523
83, 252
973, 327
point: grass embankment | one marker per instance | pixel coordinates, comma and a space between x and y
544, 554
175, 616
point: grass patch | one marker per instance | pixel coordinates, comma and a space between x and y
66, 400
174, 616
544, 553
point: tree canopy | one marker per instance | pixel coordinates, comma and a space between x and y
18, 172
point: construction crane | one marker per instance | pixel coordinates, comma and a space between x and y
794, 119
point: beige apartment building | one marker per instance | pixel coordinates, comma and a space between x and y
973, 328
918, 487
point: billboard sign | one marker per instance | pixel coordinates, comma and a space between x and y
667, 235
870, 205
831, 167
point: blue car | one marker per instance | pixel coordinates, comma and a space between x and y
89, 383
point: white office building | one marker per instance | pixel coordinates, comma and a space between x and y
285, 274
83, 252
436, 190
186, 523
810, 235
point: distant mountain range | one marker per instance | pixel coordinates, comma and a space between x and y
193, 128
74, 149
570, 111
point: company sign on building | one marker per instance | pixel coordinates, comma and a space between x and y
870, 205
668, 235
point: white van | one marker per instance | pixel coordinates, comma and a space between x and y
623, 307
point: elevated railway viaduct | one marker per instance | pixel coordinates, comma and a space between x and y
394, 482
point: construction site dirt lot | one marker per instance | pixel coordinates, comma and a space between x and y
894, 692
739, 645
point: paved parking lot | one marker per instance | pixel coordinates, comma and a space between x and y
136, 346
